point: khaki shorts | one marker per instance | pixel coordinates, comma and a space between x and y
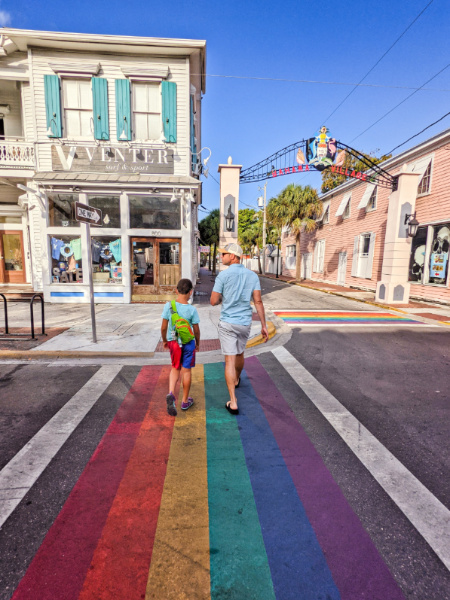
233, 338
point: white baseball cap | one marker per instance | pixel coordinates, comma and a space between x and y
231, 249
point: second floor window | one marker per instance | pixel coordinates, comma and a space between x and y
77, 103
147, 124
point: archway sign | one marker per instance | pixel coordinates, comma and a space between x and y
316, 154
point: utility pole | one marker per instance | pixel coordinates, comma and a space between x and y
264, 228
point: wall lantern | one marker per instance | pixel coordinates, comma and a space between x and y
412, 223
229, 219
50, 132
124, 135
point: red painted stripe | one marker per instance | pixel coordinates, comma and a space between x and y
120, 565
60, 565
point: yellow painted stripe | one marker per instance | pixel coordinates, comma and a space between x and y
179, 568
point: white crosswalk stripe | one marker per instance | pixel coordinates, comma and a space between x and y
428, 515
22, 471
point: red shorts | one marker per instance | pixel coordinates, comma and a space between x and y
182, 356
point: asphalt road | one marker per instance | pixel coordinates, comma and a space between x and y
359, 417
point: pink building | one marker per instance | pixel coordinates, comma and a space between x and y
362, 239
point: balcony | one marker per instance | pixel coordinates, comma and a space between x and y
15, 154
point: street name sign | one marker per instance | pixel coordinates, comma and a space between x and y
87, 214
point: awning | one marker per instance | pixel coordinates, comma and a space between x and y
112, 178
343, 205
366, 196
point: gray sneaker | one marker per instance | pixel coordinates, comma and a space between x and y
171, 405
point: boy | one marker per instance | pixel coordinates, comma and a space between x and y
182, 356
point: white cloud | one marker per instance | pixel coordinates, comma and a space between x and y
5, 18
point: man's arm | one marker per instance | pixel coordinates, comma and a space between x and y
196, 329
261, 314
164, 326
215, 299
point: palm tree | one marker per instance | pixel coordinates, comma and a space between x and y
296, 207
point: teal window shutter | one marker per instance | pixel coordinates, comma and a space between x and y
169, 110
53, 105
193, 144
123, 110
100, 104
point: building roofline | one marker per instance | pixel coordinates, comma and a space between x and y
437, 140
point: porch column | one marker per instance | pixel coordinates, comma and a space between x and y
394, 287
229, 200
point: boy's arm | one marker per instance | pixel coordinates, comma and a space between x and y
164, 326
196, 329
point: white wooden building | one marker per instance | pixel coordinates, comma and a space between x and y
113, 122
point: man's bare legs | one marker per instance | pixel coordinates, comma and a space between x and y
233, 369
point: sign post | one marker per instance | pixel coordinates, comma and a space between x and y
88, 215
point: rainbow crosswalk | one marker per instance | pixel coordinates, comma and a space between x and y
303, 318
206, 506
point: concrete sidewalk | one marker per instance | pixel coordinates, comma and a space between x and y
125, 330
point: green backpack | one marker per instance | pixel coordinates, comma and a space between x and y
180, 326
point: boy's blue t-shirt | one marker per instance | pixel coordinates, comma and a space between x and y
186, 311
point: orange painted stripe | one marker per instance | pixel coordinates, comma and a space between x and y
180, 567
119, 567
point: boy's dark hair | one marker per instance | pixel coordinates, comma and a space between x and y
184, 286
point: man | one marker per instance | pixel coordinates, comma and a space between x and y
235, 287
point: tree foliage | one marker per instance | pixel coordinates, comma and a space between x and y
331, 180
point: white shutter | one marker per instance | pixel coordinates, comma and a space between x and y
322, 256
316, 257
345, 200
368, 274
420, 166
355, 257
366, 196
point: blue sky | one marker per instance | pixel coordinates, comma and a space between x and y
336, 42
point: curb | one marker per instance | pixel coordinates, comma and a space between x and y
258, 339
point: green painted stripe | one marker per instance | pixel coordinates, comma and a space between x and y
238, 559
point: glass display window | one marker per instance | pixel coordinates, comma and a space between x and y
154, 212
439, 254
110, 207
106, 259
417, 259
65, 252
61, 210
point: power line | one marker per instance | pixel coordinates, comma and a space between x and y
400, 103
319, 82
416, 134
378, 62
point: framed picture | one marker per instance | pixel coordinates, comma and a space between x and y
55, 279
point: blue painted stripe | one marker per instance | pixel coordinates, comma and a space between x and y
108, 294
296, 560
67, 294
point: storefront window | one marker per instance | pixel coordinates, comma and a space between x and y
12, 251
66, 259
15, 220
439, 254
110, 207
106, 259
417, 260
154, 212
61, 210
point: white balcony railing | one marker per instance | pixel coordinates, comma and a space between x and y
16, 155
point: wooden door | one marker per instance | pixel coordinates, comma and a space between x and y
12, 262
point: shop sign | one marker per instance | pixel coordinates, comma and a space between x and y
204, 249
438, 265
107, 159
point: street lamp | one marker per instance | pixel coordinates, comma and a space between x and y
412, 223
278, 254
229, 219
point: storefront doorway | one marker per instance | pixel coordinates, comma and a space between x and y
12, 264
155, 268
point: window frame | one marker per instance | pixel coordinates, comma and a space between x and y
347, 210
373, 199
428, 176
141, 112
79, 110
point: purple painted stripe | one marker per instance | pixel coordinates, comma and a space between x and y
357, 568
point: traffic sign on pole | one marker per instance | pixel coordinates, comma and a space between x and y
88, 214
